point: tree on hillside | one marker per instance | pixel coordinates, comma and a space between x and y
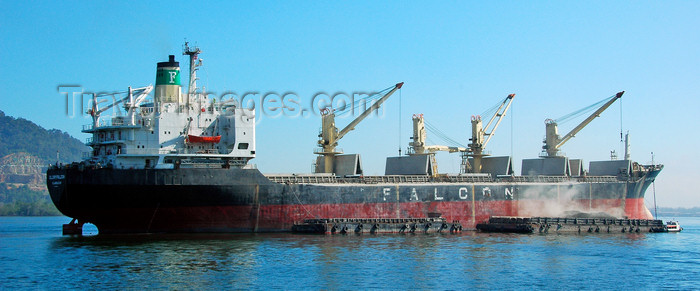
21, 135
22, 201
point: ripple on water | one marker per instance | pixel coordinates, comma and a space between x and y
34, 255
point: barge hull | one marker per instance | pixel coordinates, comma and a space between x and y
546, 225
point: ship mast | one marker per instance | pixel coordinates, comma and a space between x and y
193, 53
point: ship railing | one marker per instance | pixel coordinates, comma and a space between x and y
105, 139
559, 179
142, 151
394, 179
320, 150
536, 179
411, 179
470, 179
157, 151
302, 179
598, 179
386, 179
552, 179
517, 179
115, 121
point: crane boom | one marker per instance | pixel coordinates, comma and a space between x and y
95, 112
553, 142
476, 147
328, 139
500, 114
590, 118
367, 112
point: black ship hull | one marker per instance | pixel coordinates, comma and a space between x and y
245, 200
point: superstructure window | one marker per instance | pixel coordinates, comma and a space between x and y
243, 146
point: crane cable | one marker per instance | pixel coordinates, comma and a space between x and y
581, 111
366, 100
446, 139
621, 120
400, 122
441, 135
492, 111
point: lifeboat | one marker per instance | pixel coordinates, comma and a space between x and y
203, 139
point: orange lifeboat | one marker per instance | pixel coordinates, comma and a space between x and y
203, 139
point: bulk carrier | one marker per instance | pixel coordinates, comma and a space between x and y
178, 163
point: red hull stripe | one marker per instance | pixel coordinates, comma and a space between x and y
282, 217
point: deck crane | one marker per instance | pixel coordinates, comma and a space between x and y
419, 147
553, 141
133, 99
329, 137
481, 135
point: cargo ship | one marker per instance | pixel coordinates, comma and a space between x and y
175, 162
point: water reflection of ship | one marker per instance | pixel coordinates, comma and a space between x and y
172, 258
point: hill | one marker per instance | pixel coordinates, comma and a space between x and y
26, 149
678, 212
21, 135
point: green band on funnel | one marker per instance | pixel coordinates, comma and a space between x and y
168, 77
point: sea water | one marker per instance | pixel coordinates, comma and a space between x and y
34, 255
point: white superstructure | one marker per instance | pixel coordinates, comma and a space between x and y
170, 129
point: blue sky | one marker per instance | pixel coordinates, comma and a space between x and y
457, 59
